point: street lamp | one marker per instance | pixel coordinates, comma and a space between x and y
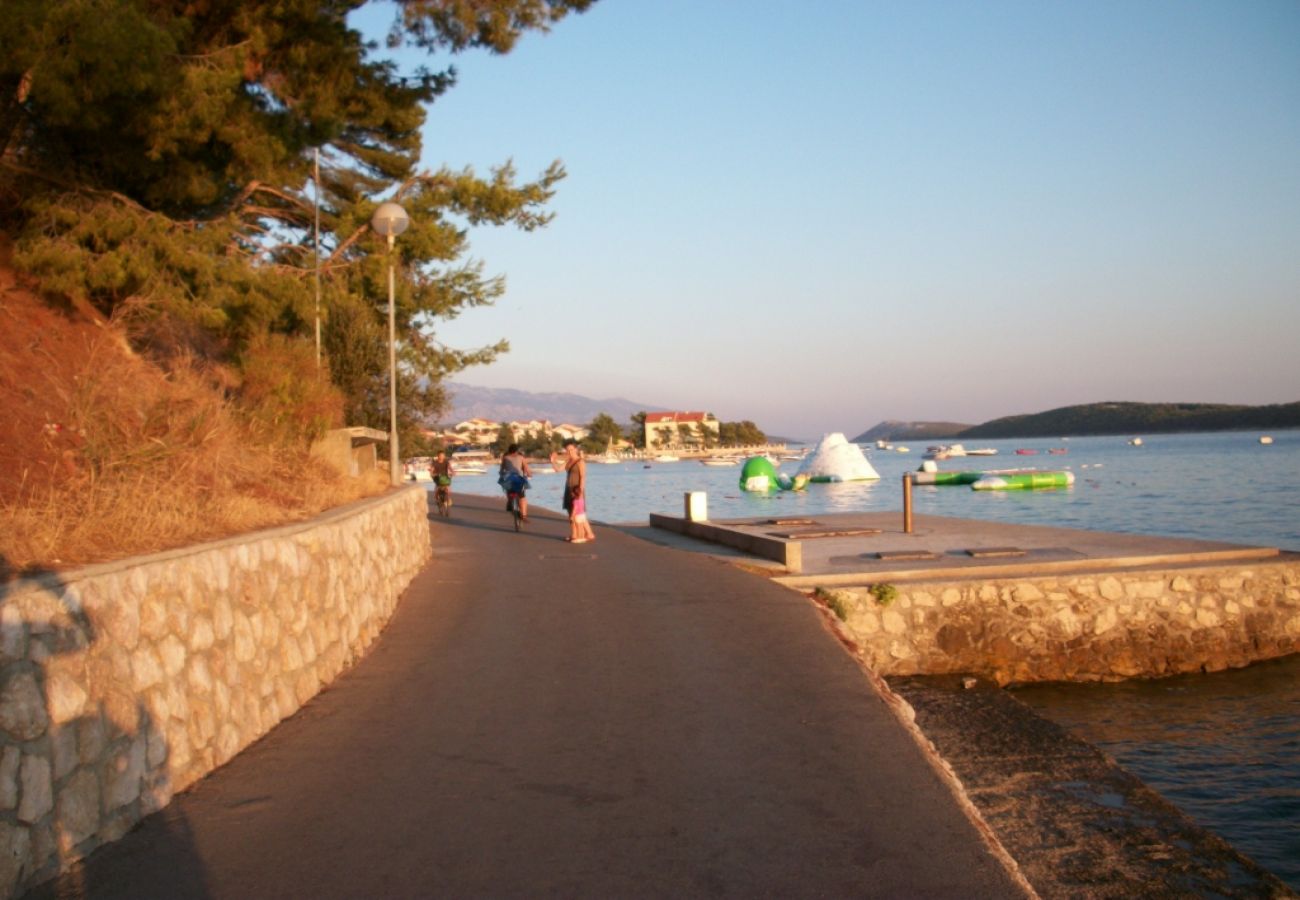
389, 221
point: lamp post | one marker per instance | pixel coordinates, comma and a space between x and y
389, 221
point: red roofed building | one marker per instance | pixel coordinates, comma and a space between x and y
680, 429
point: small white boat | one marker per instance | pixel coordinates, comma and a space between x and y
903, 449
1136, 442
469, 468
720, 461
982, 451
1266, 439
945, 451
668, 457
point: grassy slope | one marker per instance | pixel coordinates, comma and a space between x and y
104, 455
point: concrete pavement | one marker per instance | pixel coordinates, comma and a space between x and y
544, 719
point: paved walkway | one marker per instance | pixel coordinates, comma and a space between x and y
543, 719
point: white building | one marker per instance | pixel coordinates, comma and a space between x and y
679, 429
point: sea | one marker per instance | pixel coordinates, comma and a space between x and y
1224, 747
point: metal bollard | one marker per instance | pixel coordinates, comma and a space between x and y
907, 503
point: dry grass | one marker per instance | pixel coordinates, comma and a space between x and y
103, 455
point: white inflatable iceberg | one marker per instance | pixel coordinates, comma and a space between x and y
835, 459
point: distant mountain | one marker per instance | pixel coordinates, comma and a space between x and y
1139, 418
505, 404
893, 430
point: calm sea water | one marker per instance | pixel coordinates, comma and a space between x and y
1224, 747
1225, 487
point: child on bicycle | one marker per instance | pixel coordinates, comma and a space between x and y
513, 477
441, 471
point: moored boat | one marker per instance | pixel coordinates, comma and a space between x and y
1023, 451
982, 451
945, 451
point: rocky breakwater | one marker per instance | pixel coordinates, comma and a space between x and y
124, 683
1079, 627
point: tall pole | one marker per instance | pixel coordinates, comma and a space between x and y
390, 220
394, 466
316, 184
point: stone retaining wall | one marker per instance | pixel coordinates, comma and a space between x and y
1101, 627
124, 683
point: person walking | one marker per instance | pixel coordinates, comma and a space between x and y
575, 492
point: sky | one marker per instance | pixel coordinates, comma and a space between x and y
823, 214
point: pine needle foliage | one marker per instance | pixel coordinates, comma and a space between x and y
156, 164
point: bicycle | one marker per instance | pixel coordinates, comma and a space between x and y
443, 496
512, 504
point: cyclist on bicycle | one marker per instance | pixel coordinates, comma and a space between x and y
513, 477
441, 471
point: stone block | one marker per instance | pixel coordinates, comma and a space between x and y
13, 634
201, 635
893, 623
37, 788
1110, 588
146, 669
65, 697
78, 810
63, 750
1181, 585
123, 773
153, 617
1105, 621
223, 618
15, 857
1027, 593
22, 707
92, 738
950, 597
119, 618
9, 761
173, 655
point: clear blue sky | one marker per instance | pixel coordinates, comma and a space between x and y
819, 215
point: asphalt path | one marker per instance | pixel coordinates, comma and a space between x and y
613, 719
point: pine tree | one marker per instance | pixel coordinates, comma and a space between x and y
155, 158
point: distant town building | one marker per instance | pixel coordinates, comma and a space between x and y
569, 431
539, 427
477, 431
680, 429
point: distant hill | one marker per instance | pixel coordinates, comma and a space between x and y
893, 430
1139, 418
504, 404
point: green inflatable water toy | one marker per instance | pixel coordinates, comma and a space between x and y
946, 477
1024, 481
759, 476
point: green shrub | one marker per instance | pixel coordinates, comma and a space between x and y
837, 602
885, 594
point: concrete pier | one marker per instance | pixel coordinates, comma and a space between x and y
1018, 603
